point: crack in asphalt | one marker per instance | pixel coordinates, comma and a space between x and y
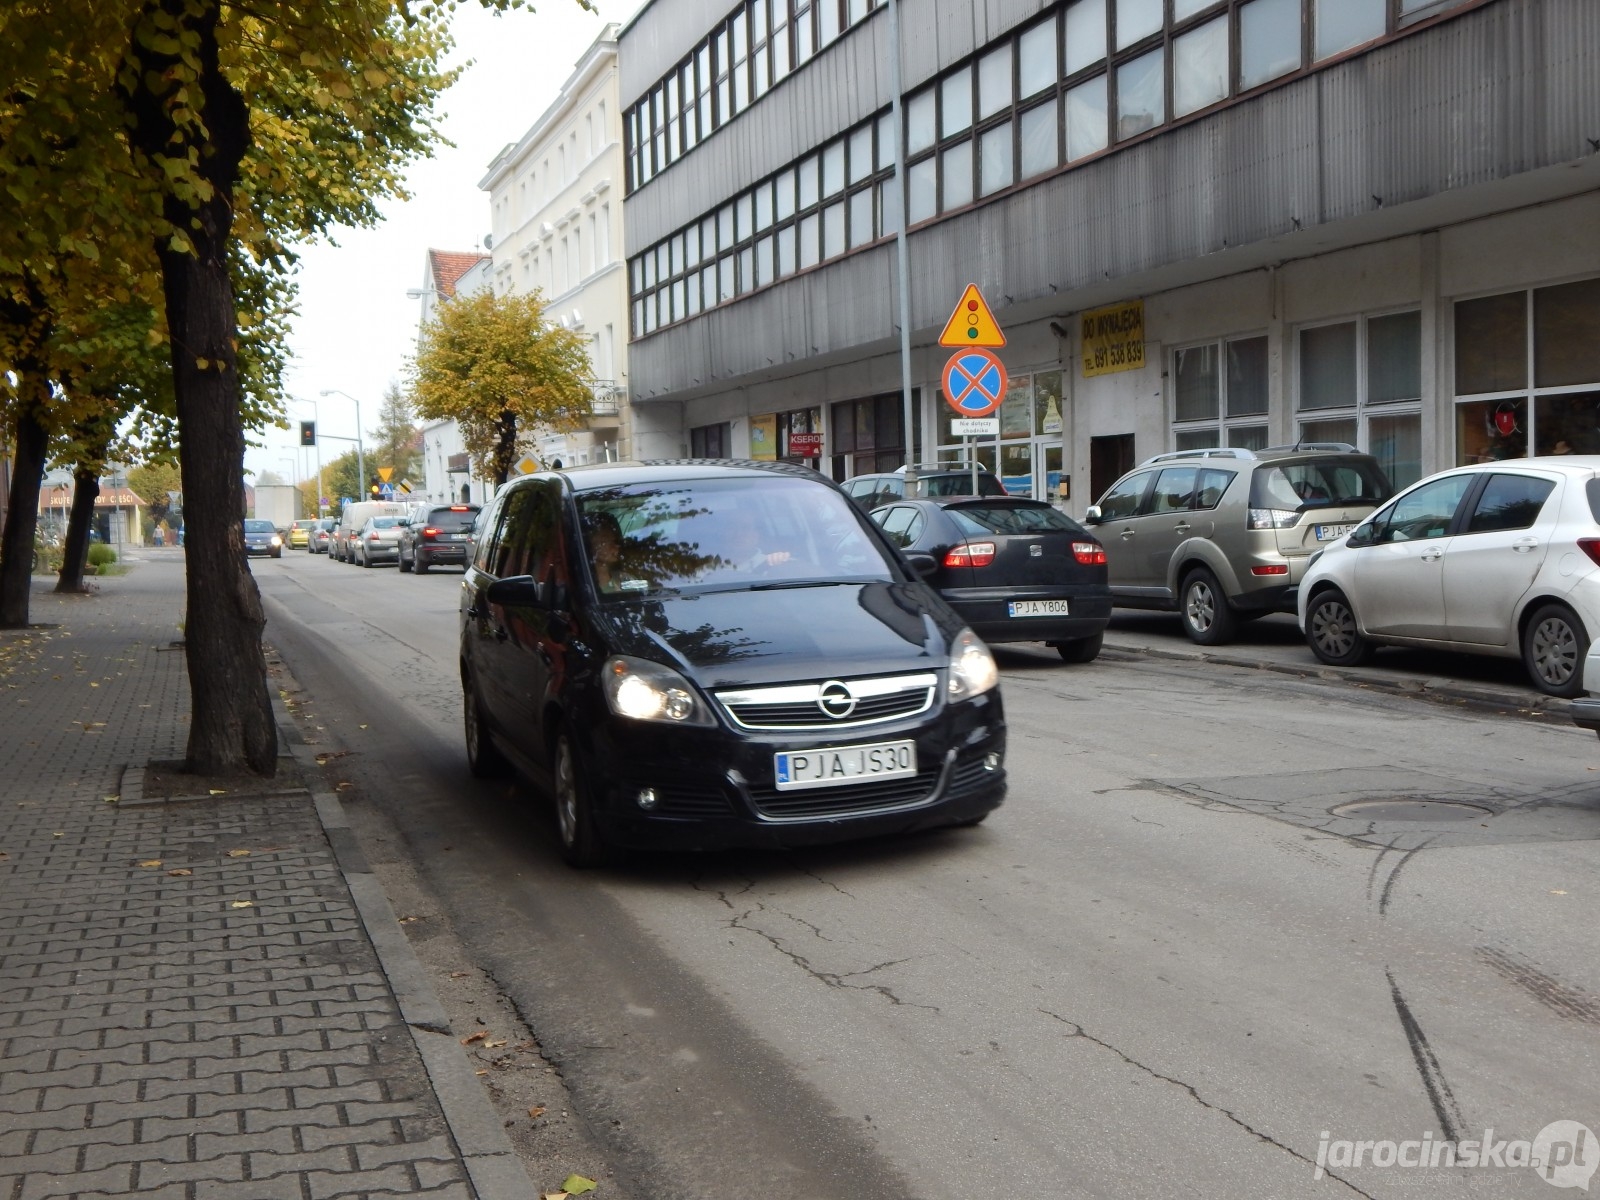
831, 979
820, 879
1078, 1031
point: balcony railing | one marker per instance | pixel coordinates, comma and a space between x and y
608, 397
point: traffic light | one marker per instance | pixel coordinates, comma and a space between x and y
308, 433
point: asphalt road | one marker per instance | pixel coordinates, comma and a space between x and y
1211, 926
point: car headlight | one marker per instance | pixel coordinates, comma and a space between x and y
972, 668
276, 540
647, 691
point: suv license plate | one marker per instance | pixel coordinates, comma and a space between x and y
1331, 533
1038, 608
829, 766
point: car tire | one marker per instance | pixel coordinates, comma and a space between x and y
420, 565
1332, 632
1081, 650
483, 757
1204, 610
366, 560
582, 844
277, 553
1554, 645
400, 561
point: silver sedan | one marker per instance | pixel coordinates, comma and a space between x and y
377, 541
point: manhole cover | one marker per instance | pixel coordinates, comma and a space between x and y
1400, 808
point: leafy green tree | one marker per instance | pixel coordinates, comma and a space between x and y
505, 374
126, 136
396, 442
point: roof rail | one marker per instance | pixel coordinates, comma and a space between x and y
961, 465
1342, 447
1213, 452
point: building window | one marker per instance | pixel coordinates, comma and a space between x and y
1527, 373
1360, 382
867, 435
1220, 394
710, 441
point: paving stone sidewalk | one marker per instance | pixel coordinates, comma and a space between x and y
190, 1005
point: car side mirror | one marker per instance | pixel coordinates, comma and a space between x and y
1361, 535
518, 591
923, 564
1092, 515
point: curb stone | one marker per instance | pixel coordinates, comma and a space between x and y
1528, 705
491, 1161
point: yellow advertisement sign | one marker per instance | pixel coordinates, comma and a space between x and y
1113, 339
764, 437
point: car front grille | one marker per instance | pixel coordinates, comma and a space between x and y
848, 799
800, 706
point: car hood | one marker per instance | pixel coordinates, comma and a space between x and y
743, 638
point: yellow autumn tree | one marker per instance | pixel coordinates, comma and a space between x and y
504, 372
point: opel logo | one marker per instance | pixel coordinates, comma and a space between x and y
835, 700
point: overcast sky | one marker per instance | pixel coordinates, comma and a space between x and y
356, 326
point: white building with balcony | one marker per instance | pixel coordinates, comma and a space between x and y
556, 201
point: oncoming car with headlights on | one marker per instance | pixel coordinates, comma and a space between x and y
690, 655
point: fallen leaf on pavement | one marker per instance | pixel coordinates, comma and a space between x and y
344, 785
151, 862
243, 904
237, 853
409, 920
180, 871
458, 974
536, 1111
576, 1185
1557, 892
552, 1196
111, 799
59, 833
475, 1037
363, 727
480, 1072
219, 791
495, 1045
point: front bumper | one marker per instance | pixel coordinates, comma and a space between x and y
714, 789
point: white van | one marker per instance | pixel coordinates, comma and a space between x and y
354, 517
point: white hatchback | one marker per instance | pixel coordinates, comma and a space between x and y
1498, 558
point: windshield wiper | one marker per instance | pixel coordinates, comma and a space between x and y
778, 585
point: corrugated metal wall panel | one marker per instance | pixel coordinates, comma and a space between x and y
1501, 90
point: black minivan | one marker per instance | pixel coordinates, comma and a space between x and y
691, 655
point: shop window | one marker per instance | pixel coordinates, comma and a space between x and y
1361, 384
1566, 334
1492, 343
1220, 394
710, 441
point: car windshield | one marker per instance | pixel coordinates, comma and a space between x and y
1319, 483
1012, 518
716, 534
961, 485
452, 520
257, 526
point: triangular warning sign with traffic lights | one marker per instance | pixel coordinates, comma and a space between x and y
972, 324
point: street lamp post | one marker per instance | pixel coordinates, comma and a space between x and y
361, 455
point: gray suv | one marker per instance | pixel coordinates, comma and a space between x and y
939, 479
1225, 535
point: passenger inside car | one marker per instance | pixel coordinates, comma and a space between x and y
604, 536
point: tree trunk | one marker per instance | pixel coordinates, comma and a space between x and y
231, 726
505, 447
85, 490
22, 504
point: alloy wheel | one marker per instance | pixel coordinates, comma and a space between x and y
1201, 605
1333, 628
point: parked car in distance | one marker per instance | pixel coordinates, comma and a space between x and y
439, 533
937, 479
378, 540
1496, 558
701, 654
321, 535
1224, 535
300, 533
261, 539
1015, 570
353, 518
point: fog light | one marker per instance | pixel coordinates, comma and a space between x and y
647, 798
991, 762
